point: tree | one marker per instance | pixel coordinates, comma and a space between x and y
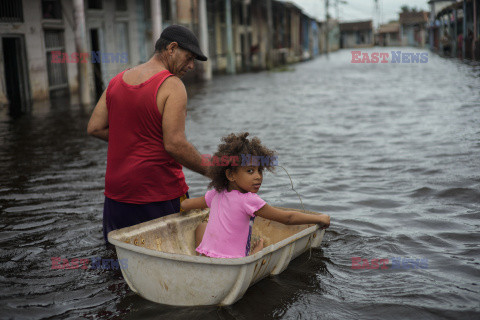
405, 8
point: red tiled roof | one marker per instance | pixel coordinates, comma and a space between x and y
356, 26
411, 17
389, 28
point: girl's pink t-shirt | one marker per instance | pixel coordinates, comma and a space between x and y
230, 223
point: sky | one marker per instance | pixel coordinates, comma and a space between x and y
359, 9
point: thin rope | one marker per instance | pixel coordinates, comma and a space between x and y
301, 202
291, 182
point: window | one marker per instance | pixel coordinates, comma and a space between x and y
121, 5
11, 11
57, 70
54, 40
95, 4
51, 9
244, 20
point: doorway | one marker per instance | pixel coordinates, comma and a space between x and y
16, 78
97, 68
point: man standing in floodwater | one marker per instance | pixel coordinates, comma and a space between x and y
142, 117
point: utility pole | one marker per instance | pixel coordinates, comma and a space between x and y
231, 65
202, 21
455, 44
337, 7
81, 46
326, 26
432, 23
337, 10
269, 35
464, 27
245, 47
475, 28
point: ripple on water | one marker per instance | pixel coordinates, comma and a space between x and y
460, 194
422, 192
379, 203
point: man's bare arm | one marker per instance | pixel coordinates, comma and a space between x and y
98, 124
173, 124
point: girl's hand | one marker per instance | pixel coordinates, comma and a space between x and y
325, 223
193, 203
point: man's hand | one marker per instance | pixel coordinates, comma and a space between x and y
98, 124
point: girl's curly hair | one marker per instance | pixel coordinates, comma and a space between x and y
234, 146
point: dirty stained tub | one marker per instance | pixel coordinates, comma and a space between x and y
162, 265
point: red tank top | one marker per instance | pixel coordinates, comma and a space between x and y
139, 170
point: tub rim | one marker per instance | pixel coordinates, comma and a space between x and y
210, 260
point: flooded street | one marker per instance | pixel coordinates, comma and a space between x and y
389, 151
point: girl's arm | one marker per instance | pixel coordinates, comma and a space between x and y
193, 203
293, 217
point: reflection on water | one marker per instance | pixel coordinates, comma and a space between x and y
389, 151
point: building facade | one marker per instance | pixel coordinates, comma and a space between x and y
389, 35
413, 28
454, 28
357, 34
39, 56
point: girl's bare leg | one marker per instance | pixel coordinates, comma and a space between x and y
199, 233
257, 246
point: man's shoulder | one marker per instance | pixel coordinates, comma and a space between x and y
172, 89
174, 83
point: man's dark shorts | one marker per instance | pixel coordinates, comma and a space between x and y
117, 215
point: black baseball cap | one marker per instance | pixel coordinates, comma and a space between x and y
185, 39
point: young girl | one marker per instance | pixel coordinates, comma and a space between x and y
237, 173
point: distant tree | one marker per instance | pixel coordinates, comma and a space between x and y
405, 8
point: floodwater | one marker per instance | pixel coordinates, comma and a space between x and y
390, 151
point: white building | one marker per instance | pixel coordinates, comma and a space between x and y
38, 57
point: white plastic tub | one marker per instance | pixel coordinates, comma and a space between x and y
163, 266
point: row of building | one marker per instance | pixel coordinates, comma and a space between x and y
454, 28
411, 29
47, 44
56, 47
